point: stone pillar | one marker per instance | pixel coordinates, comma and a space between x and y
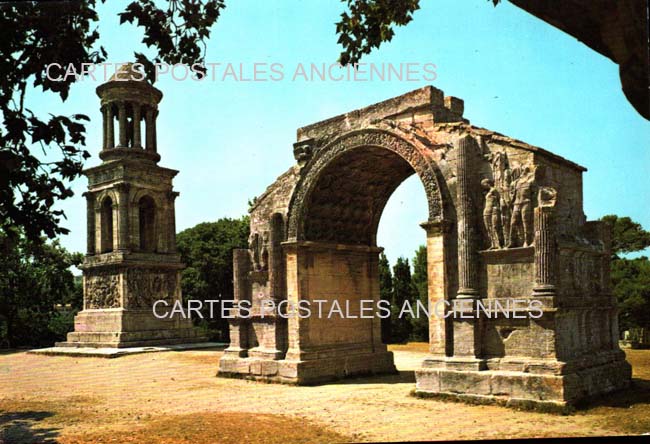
154, 131
149, 130
438, 286
121, 115
171, 242
466, 326
276, 269
239, 327
277, 281
467, 260
104, 110
90, 223
123, 217
545, 252
110, 127
373, 275
137, 142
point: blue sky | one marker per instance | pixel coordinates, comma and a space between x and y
516, 74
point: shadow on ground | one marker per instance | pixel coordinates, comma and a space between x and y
637, 393
401, 377
22, 427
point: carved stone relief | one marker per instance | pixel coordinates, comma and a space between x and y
258, 247
147, 286
509, 202
102, 290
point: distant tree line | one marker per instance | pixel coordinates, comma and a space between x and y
404, 287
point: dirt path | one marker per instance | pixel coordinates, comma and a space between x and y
176, 396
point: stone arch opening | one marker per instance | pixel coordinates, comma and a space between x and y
350, 194
106, 221
362, 148
147, 223
345, 208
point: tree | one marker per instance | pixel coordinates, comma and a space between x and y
206, 249
403, 291
35, 34
630, 277
36, 276
627, 236
420, 287
369, 23
385, 294
631, 286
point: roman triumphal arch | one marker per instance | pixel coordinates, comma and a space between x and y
505, 228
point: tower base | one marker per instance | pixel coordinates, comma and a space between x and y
121, 328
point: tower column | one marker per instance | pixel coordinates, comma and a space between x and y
121, 115
110, 127
104, 111
171, 242
90, 222
149, 130
136, 126
123, 217
155, 131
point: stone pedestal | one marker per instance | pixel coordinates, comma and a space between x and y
318, 348
522, 382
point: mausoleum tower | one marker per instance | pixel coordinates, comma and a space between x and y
131, 260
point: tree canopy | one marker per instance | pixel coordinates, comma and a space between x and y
627, 236
206, 249
35, 279
369, 23
630, 277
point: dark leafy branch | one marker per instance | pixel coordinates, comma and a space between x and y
369, 23
36, 34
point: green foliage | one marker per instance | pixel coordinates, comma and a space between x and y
385, 294
630, 277
35, 278
398, 287
627, 236
39, 157
206, 250
420, 324
631, 286
403, 291
369, 23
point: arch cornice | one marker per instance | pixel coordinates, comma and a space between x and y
407, 145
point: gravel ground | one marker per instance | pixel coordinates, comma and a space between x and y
67, 399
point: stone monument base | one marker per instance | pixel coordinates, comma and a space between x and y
122, 328
306, 372
539, 384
